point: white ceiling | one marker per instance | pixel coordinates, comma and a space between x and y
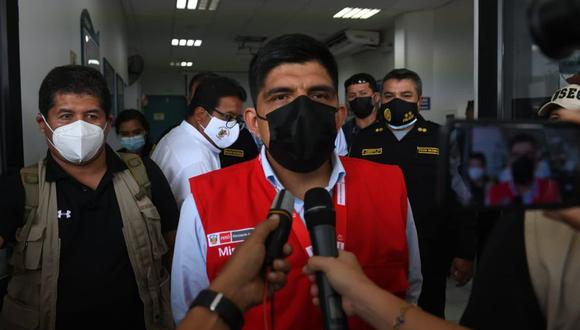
153, 23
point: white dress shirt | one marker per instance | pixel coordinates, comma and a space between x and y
189, 276
340, 143
183, 153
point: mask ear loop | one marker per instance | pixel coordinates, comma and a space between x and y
50, 128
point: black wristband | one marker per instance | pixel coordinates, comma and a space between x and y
218, 303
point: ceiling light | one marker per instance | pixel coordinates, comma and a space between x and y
94, 62
182, 42
370, 14
171, 63
214, 4
342, 12
352, 13
174, 42
181, 4
183, 63
356, 13
361, 13
189, 63
192, 4
189, 42
202, 4
197, 43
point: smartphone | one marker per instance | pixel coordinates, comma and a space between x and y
510, 164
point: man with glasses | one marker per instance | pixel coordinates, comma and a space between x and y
193, 147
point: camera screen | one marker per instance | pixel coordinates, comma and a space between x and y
507, 164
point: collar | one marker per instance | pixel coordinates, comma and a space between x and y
188, 128
336, 175
54, 172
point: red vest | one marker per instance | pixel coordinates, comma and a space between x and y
548, 191
232, 200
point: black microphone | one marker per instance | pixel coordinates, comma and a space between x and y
283, 206
321, 222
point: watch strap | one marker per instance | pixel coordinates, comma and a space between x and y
220, 304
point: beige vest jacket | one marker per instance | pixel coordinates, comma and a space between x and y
31, 299
553, 254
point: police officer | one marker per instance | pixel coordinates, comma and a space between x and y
412, 143
363, 100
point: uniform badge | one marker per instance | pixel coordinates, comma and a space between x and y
372, 152
428, 150
387, 114
213, 239
234, 152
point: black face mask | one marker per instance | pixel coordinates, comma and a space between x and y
302, 134
523, 170
362, 106
399, 114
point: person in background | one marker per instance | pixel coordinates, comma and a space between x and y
523, 187
244, 149
193, 147
96, 224
478, 179
363, 101
447, 241
133, 131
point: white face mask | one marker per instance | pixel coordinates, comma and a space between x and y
219, 132
77, 142
476, 173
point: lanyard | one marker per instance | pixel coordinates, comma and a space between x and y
301, 232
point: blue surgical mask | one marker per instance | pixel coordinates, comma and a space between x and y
133, 143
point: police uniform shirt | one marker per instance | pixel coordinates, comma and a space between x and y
366, 143
351, 131
243, 149
96, 285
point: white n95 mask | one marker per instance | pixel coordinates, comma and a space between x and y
221, 132
77, 142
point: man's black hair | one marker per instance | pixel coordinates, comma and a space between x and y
400, 74
131, 114
361, 78
211, 89
478, 156
198, 78
523, 138
289, 48
73, 79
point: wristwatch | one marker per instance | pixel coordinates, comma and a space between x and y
218, 303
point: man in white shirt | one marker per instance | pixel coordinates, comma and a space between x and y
193, 147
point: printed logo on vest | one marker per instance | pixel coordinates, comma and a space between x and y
234, 153
228, 237
428, 150
372, 152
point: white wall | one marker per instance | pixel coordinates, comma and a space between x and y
49, 30
374, 62
438, 45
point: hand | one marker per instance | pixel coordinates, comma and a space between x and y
241, 279
344, 274
570, 216
461, 271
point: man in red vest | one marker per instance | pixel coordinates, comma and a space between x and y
294, 83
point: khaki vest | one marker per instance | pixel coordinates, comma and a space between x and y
553, 254
32, 292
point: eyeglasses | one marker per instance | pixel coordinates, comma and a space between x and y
231, 120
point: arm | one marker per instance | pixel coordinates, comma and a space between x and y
363, 298
188, 275
241, 279
414, 274
161, 196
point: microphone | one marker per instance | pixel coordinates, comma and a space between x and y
283, 206
321, 222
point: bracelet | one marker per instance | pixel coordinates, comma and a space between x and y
218, 303
400, 320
